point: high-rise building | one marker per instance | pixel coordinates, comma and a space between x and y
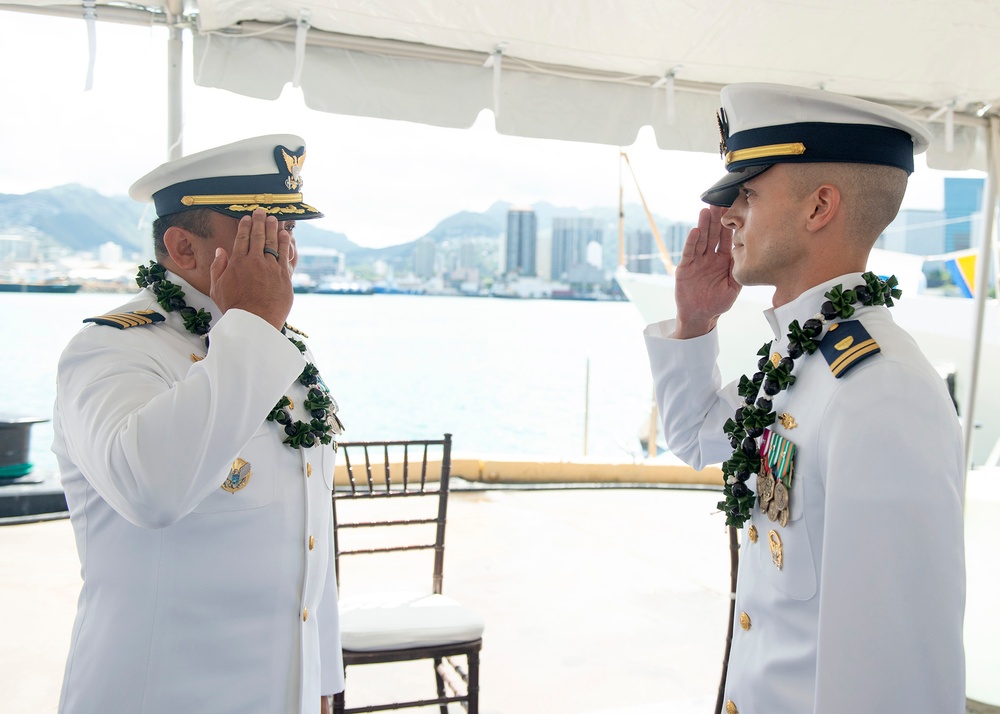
109, 253
963, 201
320, 262
18, 248
570, 238
639, 251
522, 240
675, 238
916, 231
423, 257
468, 255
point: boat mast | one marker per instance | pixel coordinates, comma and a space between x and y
621, 212
664, 255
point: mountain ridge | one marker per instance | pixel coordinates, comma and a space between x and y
78, 218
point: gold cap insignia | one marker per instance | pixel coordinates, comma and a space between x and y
720, 116
294, 164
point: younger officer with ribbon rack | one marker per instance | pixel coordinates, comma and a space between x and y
842, 452
195, 438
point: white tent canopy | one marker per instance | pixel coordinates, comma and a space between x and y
590, 70
594, 70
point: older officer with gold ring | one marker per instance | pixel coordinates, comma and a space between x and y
196, 443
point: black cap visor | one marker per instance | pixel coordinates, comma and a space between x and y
725, 191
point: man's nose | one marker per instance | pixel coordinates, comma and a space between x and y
732, 217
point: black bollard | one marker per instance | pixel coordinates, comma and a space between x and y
15, 437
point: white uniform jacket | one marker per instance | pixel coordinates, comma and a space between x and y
865, 614
195, 599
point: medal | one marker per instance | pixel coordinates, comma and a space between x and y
766, 490
777, 456
780, 496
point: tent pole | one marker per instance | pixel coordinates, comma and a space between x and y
175, 81
983, 262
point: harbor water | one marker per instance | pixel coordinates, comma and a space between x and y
506, 377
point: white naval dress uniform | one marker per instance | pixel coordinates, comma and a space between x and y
865, 614
194, 599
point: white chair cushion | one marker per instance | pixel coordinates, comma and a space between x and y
386, 621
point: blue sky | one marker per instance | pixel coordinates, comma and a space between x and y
381, 182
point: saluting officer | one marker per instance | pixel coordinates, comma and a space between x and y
195, 438
841, 449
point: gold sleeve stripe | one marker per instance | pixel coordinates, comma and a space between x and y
855, 353
763, 152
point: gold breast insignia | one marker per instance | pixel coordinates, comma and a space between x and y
787, 420
777, 555
239, 475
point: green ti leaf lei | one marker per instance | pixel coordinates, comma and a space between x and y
299, 434
756, 413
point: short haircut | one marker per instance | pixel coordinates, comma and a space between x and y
197, 221
871, 194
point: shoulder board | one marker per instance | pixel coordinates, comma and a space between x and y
296, 330
845, 345
121, 320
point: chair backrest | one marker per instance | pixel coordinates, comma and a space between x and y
414, 477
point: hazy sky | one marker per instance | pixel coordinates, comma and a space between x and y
381, 182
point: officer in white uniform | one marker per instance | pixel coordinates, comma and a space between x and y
196, 445
845, 460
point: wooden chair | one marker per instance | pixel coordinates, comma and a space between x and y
397, 504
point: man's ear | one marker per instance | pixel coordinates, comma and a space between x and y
179, 245
824, 204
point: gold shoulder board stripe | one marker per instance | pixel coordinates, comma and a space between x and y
123, 320
862, 349
846, 345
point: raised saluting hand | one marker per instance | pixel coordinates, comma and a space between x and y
704, 286
257, 276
